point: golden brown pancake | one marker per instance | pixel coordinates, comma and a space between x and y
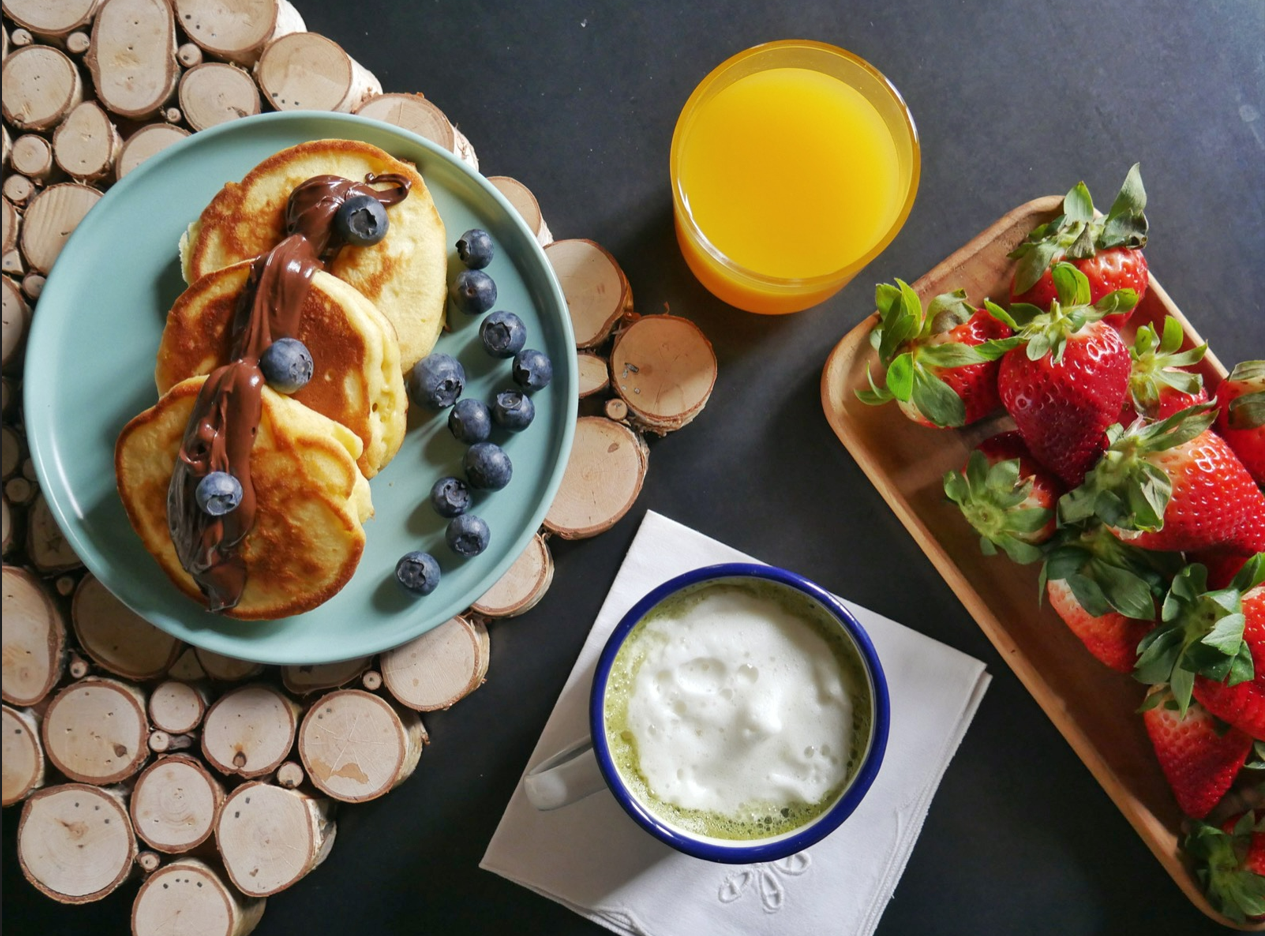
311, 499
356, 382
404, 275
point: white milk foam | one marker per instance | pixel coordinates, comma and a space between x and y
736, 705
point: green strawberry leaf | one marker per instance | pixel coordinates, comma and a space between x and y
1000, 314
900, 377
1247, 411
952, 354
1078, 207
1033, 263
1181, 683
1071, 285
876, 395
1121, 300
947, 311
1125, 224
1019, 551
1174, 334
1089, 594
1251, 575
1127, 592
935, 399
1248, 371
1158, 654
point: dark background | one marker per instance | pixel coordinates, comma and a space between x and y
1012, 100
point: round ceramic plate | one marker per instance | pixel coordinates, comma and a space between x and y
90, 366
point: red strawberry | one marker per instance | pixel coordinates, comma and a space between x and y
941, 364
1241, 421
1006, 496
1105, 591
1242, 703
1224, 564
1199, 757
1171, 485
1065, 378
1111, 637
1230, 864
1108, 251
1158, 386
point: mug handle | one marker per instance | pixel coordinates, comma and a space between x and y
566, 777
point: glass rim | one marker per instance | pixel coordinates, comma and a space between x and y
686, 218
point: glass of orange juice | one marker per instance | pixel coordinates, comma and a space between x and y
794, 164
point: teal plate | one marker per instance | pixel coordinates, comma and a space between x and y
90, 365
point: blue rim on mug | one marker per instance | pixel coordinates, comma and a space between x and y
744, 851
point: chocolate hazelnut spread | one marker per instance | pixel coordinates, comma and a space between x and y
221, 430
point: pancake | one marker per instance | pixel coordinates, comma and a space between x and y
357, 380
311, 499
404, 275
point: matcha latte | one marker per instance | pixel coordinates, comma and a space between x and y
737, 709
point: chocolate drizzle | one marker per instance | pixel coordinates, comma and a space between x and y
221, 430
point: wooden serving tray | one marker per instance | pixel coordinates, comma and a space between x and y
1094, 707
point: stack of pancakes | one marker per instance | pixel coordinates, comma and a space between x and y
376, 312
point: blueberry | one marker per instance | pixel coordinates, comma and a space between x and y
450, 497
470, 421
437, 380
287, 365
218, 493
487, 466
474, 249
532, 370
361, 221
503, 334
513, 410
418, 572
473, 292
467, 535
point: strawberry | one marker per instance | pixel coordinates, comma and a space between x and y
1230, 864
1108, 251
941, 364
1105, 591
1171, 485
1224, 564
1065, 375
1242, 703
1241, 421
1158, 386
1200, 756
1006, 496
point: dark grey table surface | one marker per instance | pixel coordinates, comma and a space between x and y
1013, 100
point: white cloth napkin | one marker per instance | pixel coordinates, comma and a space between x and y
591, 857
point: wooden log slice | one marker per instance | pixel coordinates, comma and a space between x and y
290, 775
214, 93
664, 368
249, 731
45, 543
50, 218
146, 142
604, 474
76, 666
616, 409
440, 667
18, 189
75, 842
357, 746
302, 680
237, 30
163, 742
371, 680
20, 491
133, 56
177, 707
116, 637
21, 38
32, 155
9, 227
269, 837
11, 452
595, 375
148, 861
77, 43
225, 668
32, 286
596, 290
523, 584
188, 55
95, 730
16, 320
9, 521
51, 19
12, 264
525, 203
41, 85
175, 804
86, 144
190, 898
34, 639
306, 71
21, 755
414, 113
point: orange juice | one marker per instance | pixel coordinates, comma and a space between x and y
791, 170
